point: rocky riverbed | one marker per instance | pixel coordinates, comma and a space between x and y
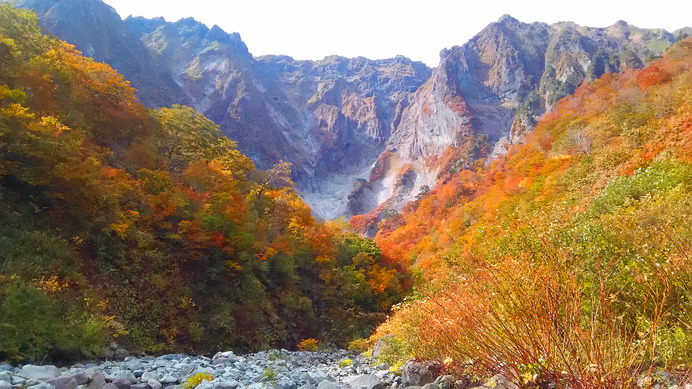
279, 369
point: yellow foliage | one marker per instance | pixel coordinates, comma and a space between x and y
197, 379
50, 285
308, 345
120, 229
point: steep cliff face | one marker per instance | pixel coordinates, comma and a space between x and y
488, 93
349, 108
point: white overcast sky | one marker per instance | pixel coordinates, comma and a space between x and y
313, 29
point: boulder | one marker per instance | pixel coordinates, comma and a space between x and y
98, 381
40, 373
65, 382
127, 376
5, 385
419, 373
81, 377
122, 383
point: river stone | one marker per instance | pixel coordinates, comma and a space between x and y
319, 376
430, 386
5, 376
149, 375
65, 382
98, 381
285, 385
154, 384
226, 385
364, 381
42, 385
168, 379
139, 386
331, 385
5, 385
127, 376
122, 383
41, 373
81, 377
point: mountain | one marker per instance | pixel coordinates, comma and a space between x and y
542, 265
97, 30
150, 229
488, 94
361, 135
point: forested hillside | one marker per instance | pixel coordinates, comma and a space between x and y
569, 259
148, 227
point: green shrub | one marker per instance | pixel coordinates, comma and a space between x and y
35, 326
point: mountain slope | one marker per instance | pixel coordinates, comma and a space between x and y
567, 260
149, 228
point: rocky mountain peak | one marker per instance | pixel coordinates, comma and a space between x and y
361, 134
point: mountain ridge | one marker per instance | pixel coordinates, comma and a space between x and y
337, 120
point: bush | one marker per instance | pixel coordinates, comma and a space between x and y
359, 346
35, 326
308, 345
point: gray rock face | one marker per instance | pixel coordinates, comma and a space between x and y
40, 373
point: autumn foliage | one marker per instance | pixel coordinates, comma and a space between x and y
568, 259
150, 227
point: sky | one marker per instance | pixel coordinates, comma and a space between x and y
313, 29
